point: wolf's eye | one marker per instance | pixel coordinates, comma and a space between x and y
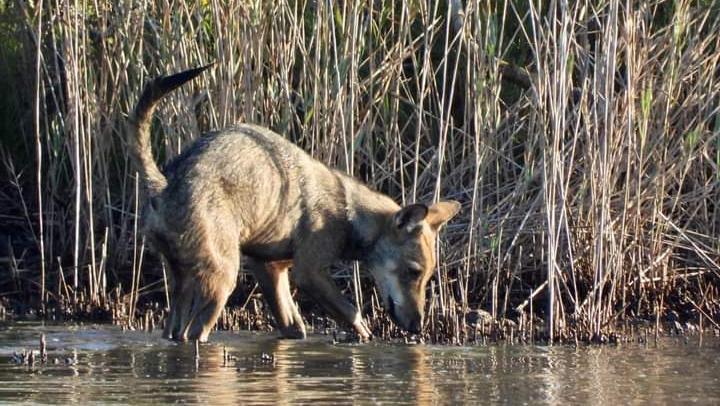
415, 270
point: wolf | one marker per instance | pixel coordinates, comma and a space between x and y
245, 191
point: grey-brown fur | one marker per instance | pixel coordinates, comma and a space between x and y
248, 191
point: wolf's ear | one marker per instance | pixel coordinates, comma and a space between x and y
441, 212
409, 218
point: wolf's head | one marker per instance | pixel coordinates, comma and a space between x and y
403, 258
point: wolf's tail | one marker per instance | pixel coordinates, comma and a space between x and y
139, 127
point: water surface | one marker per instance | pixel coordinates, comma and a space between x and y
102, 364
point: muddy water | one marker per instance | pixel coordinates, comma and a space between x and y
102, 364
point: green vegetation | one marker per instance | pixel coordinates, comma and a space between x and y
583, 139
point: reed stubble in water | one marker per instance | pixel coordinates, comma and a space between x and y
584, 137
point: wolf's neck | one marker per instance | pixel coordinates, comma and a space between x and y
368, 211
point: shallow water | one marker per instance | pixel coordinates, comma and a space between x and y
102, 364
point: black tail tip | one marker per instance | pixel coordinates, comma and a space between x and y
196, 71
169, 83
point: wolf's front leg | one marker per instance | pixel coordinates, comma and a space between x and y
316, 282
273, 280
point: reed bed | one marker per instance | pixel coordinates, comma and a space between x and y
582, 138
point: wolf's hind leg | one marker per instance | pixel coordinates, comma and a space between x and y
212, 289
275, 284
182, 305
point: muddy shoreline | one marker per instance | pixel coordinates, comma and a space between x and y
477, 327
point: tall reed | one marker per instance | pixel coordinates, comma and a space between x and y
583, 139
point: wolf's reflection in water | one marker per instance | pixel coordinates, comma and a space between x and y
296, 371
101, 364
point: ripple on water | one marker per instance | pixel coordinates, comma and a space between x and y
110, 365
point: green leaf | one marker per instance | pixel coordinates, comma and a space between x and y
491, 43
691, 139
646, 101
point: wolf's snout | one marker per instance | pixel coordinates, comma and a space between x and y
409, 323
